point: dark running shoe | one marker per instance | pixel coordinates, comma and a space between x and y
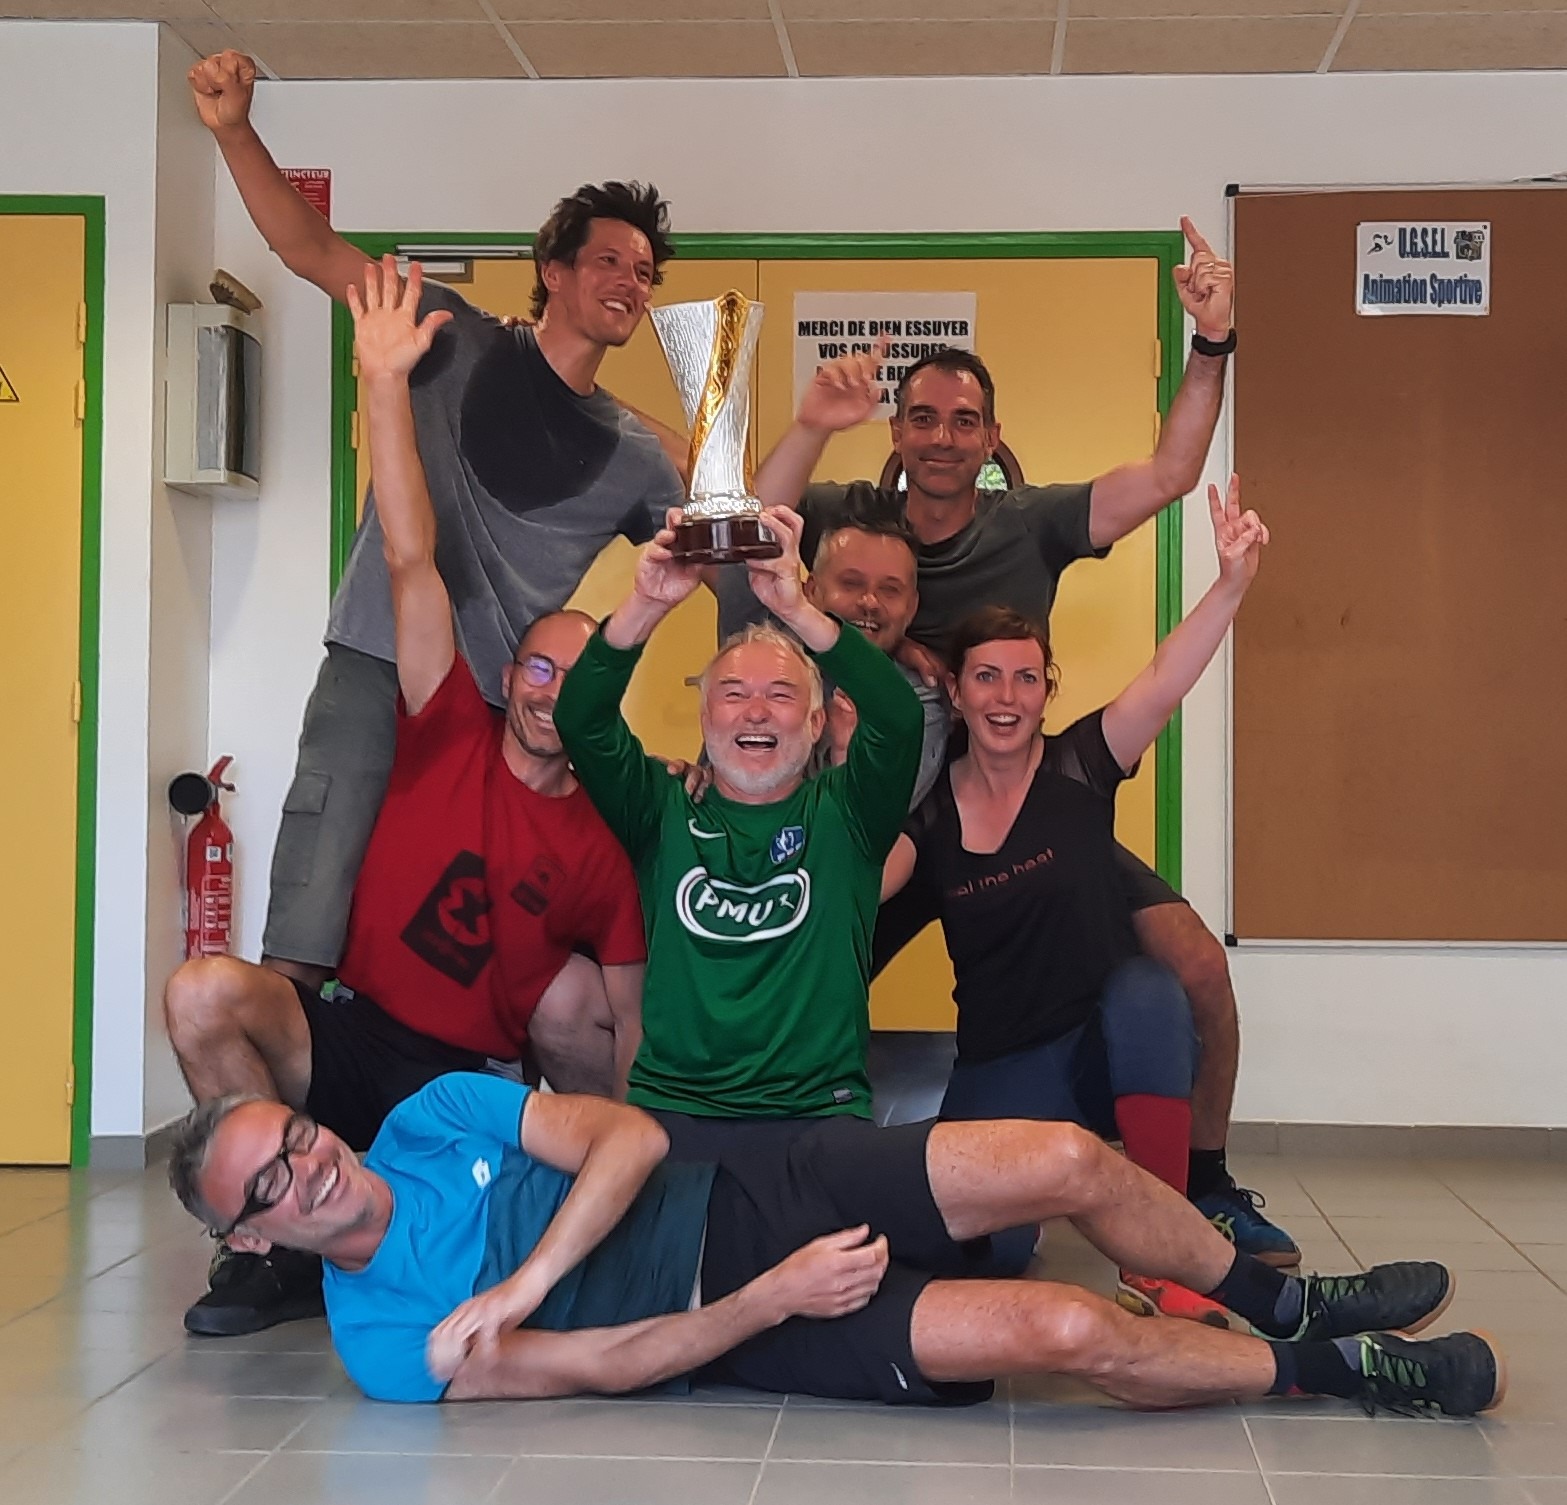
1405, 1296
1460, 1375
1237, 1214
250, 1292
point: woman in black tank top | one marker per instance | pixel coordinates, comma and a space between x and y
1059, 1016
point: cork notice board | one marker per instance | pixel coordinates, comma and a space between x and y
1400, 684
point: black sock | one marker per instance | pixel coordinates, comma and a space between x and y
1267, 1298
1325, 1368
1206, 1172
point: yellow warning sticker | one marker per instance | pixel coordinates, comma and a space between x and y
7, 391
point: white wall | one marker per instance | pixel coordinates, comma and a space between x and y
181, 552
79, 114
1387, 1036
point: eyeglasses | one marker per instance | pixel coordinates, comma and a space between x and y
538, 669
270, 1184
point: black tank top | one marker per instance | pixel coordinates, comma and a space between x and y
1035, 928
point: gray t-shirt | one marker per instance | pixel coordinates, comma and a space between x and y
1011, 553
529, 481
933, 736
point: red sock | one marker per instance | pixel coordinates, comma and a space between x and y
1157, 1133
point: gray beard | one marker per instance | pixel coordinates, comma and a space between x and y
735, 773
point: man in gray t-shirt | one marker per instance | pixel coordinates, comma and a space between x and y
532, 469
1008, 548
863, 573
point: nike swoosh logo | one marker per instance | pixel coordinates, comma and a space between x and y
701, 835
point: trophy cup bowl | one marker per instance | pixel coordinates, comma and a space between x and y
709, 347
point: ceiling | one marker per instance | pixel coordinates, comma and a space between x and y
847, 38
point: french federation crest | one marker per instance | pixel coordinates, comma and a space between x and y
789, 842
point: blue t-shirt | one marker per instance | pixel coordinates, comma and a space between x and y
468, 1207
439, 1152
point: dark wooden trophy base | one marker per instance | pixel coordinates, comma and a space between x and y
724, 540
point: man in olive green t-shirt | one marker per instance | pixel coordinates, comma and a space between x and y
760, 901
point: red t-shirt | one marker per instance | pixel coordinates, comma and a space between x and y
475, 888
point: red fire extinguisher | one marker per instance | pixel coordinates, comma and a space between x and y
209, 861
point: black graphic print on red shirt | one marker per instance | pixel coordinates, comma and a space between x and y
538, 884
451, 929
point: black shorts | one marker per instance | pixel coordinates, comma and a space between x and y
363, 1063
1143, 887
771, 1196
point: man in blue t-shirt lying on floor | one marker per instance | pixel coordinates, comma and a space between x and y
497, 1242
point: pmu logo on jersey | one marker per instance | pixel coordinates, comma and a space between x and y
719, 911
789, 842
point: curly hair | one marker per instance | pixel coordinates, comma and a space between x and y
566, 231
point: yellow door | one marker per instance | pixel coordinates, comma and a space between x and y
660, 707
40, 591
1071, 344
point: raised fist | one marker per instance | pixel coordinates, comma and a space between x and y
223, 85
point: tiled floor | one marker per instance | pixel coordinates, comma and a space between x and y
102, 1398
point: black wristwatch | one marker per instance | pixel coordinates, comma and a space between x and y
1203, 346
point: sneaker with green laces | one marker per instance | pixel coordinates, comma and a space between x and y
1459, 1375
1406, 1296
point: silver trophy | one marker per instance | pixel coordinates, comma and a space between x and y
709, 347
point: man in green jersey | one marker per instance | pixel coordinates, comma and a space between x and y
760, 901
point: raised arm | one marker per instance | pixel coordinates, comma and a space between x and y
842, 395
300, 236
884, 752
1138, 714
830, 1277
1130, 494
611, 1150
390, 343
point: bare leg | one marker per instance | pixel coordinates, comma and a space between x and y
237, 1027
990, 1176
308, 973
572, 1031
1174, 935
987, 1329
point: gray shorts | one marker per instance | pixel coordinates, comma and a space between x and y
345, 759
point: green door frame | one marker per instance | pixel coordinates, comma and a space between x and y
90, 209
1166, 247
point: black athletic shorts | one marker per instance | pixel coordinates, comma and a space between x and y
363, 1063
771, 1196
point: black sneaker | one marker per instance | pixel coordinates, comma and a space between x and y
1405, 1296
250, 1292
1460, 1375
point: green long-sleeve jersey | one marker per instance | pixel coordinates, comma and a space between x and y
759, 917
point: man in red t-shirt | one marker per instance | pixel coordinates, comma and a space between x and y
494, 908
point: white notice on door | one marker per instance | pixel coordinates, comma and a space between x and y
827, 325
1423, 267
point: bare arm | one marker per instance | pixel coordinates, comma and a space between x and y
302, 239
610, 1149
1138, 714
623, 988
830, 1277
389, 345
898, 869
1129, 495
843, 393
